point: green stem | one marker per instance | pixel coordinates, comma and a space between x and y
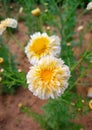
81, 76
82, 58
13, 79
16, 41
81, 14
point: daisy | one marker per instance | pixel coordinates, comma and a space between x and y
49, 78
41, 45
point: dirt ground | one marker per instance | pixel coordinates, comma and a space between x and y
10, 116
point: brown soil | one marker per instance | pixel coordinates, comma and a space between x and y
10, 116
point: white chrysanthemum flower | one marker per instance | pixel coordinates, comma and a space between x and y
41, 45
49, 78
8, 22
11, 22
89, 6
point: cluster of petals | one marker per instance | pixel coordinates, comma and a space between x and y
8, 22
89, 6
49, 78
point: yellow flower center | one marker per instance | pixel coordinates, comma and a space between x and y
40, 45
46, 74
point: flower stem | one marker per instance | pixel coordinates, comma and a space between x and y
82, 58
16, 41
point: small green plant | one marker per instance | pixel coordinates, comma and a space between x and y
11, 78
62, 112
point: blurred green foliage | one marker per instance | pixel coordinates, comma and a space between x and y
60, 113
11, 78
